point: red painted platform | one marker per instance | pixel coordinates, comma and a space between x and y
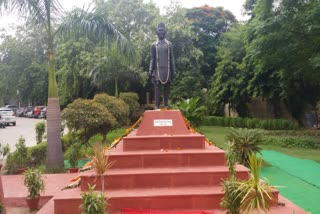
158, 123
155, 168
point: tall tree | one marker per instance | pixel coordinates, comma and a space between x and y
209, 24
25, 75
75, 58
283, 49
189, 80
44, 13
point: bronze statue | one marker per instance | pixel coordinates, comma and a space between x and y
162, 68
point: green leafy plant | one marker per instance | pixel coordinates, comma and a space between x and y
231, 201
100, 162
191, 110
254, 193
117, 107
93, 202
251, 123
4, 151
291, 142
245, 143
132, 100
21, 153
86, 118
38, 154
40, 130
74, 155
34, 182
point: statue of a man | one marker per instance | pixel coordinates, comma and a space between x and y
162, 68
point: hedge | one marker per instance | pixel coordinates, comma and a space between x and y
251, 123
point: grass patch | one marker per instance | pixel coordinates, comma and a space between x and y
115, 134
215, 134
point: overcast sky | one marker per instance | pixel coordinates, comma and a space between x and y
235, 6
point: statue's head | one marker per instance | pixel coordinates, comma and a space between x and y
161, 30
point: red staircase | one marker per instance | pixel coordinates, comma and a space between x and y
173, 170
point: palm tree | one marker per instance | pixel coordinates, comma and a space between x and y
91, 24
116, 66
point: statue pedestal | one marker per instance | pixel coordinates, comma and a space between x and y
163, 122
163, 130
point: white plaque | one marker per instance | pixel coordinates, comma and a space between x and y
162, 122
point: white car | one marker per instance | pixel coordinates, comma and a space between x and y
8, 116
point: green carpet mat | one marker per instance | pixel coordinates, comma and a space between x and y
80, 163
299, 179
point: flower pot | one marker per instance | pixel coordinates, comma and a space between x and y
33, 203
22, 170
73, 170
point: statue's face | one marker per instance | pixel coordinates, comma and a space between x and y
161, 32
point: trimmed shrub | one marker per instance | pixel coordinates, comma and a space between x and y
40, 130
86, 118
251, 123
38, 154
117, 107
291, 142
131, 99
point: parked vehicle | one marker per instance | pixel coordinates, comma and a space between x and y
20, 112
2, 122
37, 111
43, 113
12, 107
28, 111
8, 116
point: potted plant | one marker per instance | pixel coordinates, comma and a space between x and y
34, 182
74, 155
93, 202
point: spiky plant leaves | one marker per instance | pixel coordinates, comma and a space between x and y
245, 143
100, 161
255, 193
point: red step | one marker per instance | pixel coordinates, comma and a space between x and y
212, 156
200, 198
178, 198
161, 177
157, 142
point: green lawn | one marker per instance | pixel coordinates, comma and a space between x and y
217, 135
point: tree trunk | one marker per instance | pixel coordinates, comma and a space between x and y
116, 93
316, 115
54, 147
